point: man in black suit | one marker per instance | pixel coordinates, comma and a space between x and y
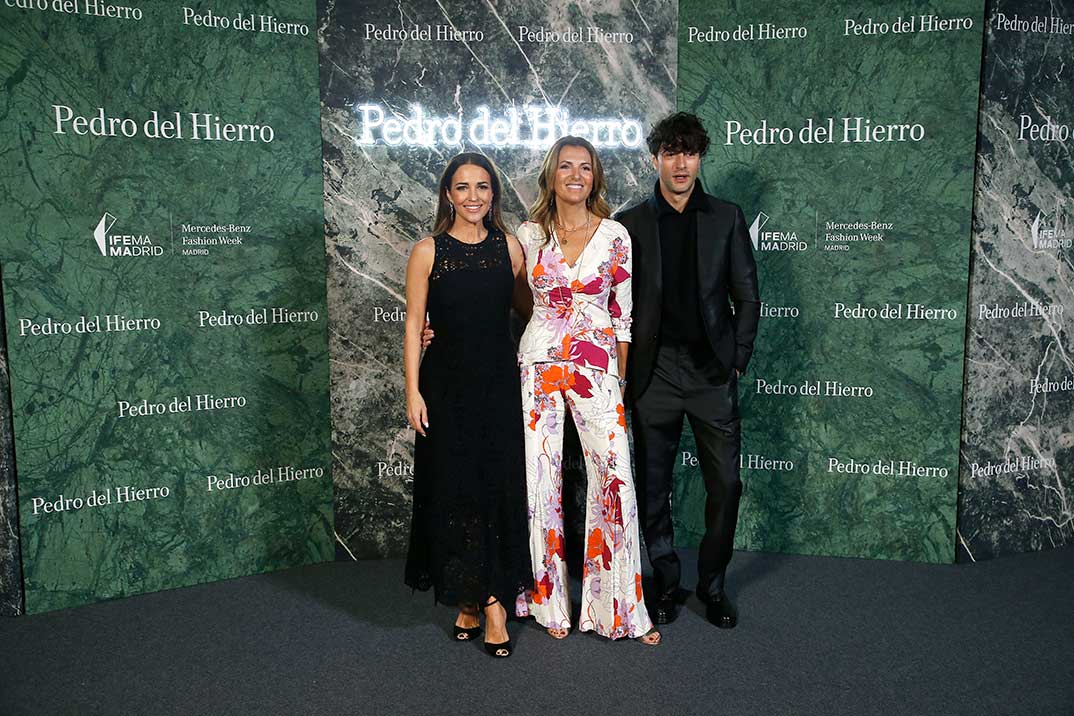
693, 262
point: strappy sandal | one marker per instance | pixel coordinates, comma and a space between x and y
551, 632
503, 649
651, 632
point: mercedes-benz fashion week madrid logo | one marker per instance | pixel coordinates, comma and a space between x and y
123, 244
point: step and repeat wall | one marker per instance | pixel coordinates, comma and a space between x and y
846, 133
164, 296
1017, 478
404, 87
199, 253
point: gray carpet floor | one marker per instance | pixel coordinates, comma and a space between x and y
816, 636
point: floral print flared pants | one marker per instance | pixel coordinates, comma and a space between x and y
612, 603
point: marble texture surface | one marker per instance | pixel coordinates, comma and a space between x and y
10, 566
87, 531
379, 199
1017, 477
903, 374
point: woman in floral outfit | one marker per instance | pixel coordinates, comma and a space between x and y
573, 357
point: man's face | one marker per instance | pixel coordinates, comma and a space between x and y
678, 170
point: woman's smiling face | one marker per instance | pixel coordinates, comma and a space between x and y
574, 175
470, 192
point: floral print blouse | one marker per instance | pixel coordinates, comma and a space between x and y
579, 312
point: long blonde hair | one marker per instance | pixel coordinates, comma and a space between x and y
543, 209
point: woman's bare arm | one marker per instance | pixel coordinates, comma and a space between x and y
522, 299
418, 269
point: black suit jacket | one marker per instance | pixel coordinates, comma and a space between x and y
727, 276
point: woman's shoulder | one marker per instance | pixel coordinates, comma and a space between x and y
614, 227
528, 232
424, 248
614, 230
422, 256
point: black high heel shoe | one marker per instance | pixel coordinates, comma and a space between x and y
467, 634
503, 649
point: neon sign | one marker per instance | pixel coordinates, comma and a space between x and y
534, 127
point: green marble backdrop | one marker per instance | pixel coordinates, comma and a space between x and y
852, 402
146, 265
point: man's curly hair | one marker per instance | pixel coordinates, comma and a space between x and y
679, 132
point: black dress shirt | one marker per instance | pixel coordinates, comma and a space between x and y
680, 318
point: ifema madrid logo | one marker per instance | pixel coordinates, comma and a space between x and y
1050, 234
773, 240
123, 244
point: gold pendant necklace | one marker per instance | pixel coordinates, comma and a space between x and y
564, 230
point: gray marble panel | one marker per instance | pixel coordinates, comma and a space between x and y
10, 566
451, 57
1017, 475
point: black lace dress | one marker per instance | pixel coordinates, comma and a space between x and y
468, 533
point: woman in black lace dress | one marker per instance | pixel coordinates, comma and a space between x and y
468, 537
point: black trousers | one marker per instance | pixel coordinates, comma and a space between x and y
686, 382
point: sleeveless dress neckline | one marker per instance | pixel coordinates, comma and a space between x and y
488, 235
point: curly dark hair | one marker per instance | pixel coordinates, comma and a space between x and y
679, 132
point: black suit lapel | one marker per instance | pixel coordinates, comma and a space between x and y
706, 250
652, 259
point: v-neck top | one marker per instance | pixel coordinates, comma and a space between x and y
579, 312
